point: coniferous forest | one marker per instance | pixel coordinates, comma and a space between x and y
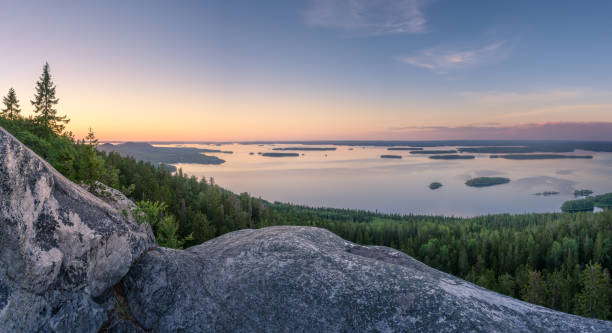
558, 260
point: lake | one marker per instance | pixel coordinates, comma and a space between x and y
357, 178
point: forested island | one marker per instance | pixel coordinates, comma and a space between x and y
547, 193
540, 156
280, 154
167, 155
603, 201
452, 157
435, 185
582, 193
306, 148
391, 156
404, 148
428, 152
486, 181
558, 260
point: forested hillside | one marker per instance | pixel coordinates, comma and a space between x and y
561, 261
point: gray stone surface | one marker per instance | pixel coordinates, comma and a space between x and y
60, 246
302, 279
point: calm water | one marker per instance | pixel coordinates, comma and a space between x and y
358, 178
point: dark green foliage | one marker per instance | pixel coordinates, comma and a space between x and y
165, 227
486, 181
430, 152
280, 154
391, 156
452, 157
582, 193
44, 104
594, 300
580, 205
404, 148
603, 201
11, 108
435, 185
76, 160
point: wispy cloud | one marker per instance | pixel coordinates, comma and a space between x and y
443, 60
368, 17
532, 131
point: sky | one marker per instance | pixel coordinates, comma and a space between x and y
317, 69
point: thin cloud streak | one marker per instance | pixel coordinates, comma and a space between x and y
441, 61
597, 131
368, 17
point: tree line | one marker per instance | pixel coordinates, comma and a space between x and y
559, 260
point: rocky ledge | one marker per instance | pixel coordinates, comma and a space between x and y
303, 279
61, 248
71, 262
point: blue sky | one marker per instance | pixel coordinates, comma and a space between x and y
315, 69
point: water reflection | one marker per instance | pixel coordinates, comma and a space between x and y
356, 177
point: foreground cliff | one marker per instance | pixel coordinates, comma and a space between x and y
283, 279
72, 262
61, 248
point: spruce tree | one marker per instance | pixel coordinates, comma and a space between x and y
593, 301
44, 103
11, 105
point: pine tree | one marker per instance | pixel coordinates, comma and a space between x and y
593, 300
91, 138
534, 290
45, 101
11, 105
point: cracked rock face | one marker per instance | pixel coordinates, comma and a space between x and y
303, 279
60, 246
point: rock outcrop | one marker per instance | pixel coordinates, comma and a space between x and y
303, 279
61, 248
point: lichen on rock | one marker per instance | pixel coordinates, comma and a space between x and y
60, 246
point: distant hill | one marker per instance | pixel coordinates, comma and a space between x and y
163, 155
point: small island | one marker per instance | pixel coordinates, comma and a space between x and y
486, 181
404, 148
306, 148
582, 193
547, 193
428, 152
435, 185
540, 156
452, 157
391, 156
280, 154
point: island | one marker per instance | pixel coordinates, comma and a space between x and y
391, 156
582, 193
305, 148
162, 155
486, 181
435, 185
603, 201
404, 148
540, 156
280, 154
452, 157
547, 193
433, 152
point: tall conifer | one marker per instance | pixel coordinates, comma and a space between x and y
45, 101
